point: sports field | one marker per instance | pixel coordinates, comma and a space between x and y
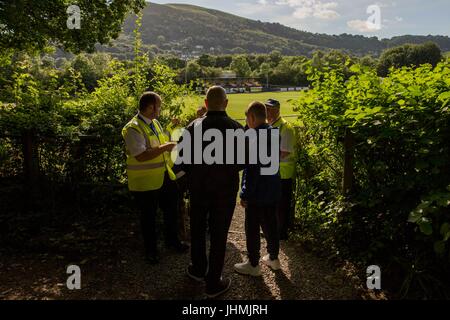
238, 103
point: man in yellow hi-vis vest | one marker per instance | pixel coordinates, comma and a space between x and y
150, 176
287, 166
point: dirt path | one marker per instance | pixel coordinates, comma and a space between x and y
112, 268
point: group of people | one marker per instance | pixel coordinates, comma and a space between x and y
213, 188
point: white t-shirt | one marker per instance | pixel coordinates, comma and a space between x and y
135, 141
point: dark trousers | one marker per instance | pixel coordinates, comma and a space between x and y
257, 216
217, 213
167, 199
285, 212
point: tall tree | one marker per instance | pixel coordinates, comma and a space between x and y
240, 66
409, 55
32, 25
275, 57
206, 60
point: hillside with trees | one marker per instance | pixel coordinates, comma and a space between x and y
183, 29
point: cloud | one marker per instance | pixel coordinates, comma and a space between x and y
252, 9
361, 26
311, 8
302, 13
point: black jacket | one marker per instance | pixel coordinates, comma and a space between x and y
214, 180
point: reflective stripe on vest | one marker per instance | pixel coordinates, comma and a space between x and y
146, 166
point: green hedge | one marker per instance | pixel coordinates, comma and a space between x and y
398, 213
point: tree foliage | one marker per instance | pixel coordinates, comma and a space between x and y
32, 25
240, 66
409, 55
397, 214
47, 102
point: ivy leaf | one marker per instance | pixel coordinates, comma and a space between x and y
444, 96
426, 227
415, 90
414, 216
375, 110
356, 68
444, 200
360, 116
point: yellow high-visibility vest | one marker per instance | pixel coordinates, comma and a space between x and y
287, 165
174, 134
148, 175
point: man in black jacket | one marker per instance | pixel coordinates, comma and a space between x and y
214, 190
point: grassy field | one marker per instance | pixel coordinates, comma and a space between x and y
239, 102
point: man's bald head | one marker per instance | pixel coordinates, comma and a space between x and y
216, 99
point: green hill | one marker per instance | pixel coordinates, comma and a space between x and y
181, 28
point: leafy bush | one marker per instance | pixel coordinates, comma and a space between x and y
409, 55
76, 131
401, 127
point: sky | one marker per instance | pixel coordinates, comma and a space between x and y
382, 18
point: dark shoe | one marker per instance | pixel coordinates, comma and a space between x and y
179, 247
191, 274
219, 289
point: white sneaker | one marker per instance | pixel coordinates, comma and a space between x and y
273, 264
247, 269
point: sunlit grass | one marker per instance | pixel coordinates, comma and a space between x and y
238, 103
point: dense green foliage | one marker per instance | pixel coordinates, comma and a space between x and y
272, 69
28, 24
82, 105
409, 55
276, 69
397, 214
